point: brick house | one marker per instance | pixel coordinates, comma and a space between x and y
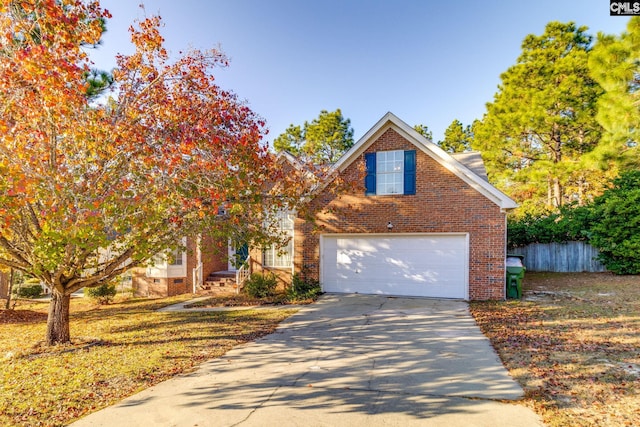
183, 271
424, 223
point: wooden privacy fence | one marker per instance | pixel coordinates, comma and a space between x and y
566, 257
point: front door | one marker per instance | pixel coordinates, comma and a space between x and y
237, 255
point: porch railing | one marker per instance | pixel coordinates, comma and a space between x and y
242, 274
197, 278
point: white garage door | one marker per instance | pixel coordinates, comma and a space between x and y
427, 265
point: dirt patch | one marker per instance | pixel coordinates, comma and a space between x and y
572, 342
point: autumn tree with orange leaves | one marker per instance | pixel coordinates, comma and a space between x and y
88, 191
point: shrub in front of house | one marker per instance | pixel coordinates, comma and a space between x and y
261, 285
33, 290
103, 294
303, 288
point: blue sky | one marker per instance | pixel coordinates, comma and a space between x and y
429, 62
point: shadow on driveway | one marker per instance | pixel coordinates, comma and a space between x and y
346, 360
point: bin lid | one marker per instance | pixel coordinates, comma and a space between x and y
514, 261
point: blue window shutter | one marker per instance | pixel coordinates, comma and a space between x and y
370, 179
410, 172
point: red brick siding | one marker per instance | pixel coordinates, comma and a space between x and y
443, 203
214, 255
178, 286
144, 286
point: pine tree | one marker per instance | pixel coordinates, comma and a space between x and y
542, 120
424, 131
292, 140
615, 65
456, 138
321, 141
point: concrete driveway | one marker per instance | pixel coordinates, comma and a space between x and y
348, 360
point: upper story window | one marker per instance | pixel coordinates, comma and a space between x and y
391, 172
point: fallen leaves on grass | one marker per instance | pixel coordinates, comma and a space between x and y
21, 316
573, 346
117, 350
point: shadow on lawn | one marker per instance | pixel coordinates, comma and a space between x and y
198, 330
572, 347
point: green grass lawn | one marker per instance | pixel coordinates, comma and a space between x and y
117, 350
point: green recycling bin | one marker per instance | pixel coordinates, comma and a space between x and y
515, 274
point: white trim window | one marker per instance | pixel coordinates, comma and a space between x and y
170, 263
175, 257
281, 257
390, 172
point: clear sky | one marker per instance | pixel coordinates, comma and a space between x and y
429, 62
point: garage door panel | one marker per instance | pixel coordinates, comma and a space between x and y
422, 265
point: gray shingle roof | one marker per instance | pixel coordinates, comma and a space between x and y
473, 161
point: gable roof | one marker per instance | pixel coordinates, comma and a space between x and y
471, 173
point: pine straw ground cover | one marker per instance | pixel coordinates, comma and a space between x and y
117, 351
573, 343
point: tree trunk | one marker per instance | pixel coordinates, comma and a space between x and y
9, 290
581, 184
557, 190
58, 320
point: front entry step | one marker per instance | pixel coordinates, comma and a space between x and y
220, 282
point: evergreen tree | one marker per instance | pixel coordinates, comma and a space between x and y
615, 65
615, 228
291, 140
456, 138
97, 83
542, 120
328, 137
321, 141
424, 131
